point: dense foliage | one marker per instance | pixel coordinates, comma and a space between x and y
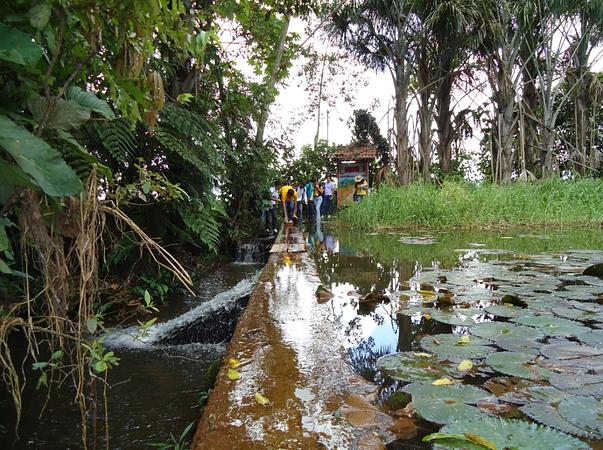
519, 74
459, 204
124, 125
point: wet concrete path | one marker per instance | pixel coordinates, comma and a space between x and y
290, 354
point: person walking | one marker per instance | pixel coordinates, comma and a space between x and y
271, 213
309, 187
288, 198
317, 196
328, 196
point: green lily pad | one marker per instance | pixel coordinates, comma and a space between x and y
596, 270
583, 385
517, 365
552, 326
459, 316
447, 403
505, 434
534, 394
507, 311
570, 350
548, 414
578, 314
450, 346
592, 337
414, 366
495, 330
585, 413
518, 344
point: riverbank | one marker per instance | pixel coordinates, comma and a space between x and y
462, 205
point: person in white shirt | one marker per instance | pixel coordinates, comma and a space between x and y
328, 196
301, 199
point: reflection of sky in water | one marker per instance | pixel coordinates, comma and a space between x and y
477, 268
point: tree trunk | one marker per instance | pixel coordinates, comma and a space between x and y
270, 83
322, 76
443, 118
425, 117
401, 80
530, 106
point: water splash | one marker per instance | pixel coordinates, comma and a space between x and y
210, 323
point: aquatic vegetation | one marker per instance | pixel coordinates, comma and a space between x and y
502, 433
446, 403
465, 205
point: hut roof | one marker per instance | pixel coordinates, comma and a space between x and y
356, 151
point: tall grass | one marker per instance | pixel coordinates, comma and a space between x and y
552, 202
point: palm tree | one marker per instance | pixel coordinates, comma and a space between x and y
379, 34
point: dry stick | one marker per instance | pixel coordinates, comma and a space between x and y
170, 262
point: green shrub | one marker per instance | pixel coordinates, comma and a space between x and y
458, 204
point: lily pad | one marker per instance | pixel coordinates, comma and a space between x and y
570, 350
495, 330
446, 403
459, 316
552, 326
584, 385
518, 344
413, 366
517, 365
596, 270
506, 434
452, 346
592, 337
578, 314
506, 311
548, 414
525, 394
585, 413
417, 240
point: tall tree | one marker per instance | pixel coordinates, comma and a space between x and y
379, 34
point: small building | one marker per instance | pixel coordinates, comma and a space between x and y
352, 160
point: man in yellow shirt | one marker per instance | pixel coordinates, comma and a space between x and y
288, 196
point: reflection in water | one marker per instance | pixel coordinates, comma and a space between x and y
470, 269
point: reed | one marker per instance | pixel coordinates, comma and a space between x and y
463, 205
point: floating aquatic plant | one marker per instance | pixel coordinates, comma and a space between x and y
446, 403
502, 434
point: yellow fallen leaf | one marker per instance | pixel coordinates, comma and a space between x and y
465, 365
233, 374
425, 292
510, 305
481, 441
261, 399
422, 355
443, 382
427, 316
464, 340
234, 363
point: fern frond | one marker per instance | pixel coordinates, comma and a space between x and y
202, 221
90, 101
117, 138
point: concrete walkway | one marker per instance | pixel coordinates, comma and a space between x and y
291, 355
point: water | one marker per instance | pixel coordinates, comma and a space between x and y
478, 268
153, 392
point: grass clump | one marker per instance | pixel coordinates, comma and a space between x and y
458, 204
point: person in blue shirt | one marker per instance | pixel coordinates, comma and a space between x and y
309, 187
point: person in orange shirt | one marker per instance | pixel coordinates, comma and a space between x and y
288, 196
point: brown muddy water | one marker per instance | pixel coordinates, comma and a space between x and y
393, 291
154, 392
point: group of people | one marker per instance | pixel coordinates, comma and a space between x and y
292, 198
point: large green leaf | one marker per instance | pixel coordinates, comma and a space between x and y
507, 311
411, 366
18, 47
446, 403
583, 385
548, 414
517, 365
496, 330
39, 160
451, 346
89, 100
552, 326
66, 113
578, 314
510, 434
585, 413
